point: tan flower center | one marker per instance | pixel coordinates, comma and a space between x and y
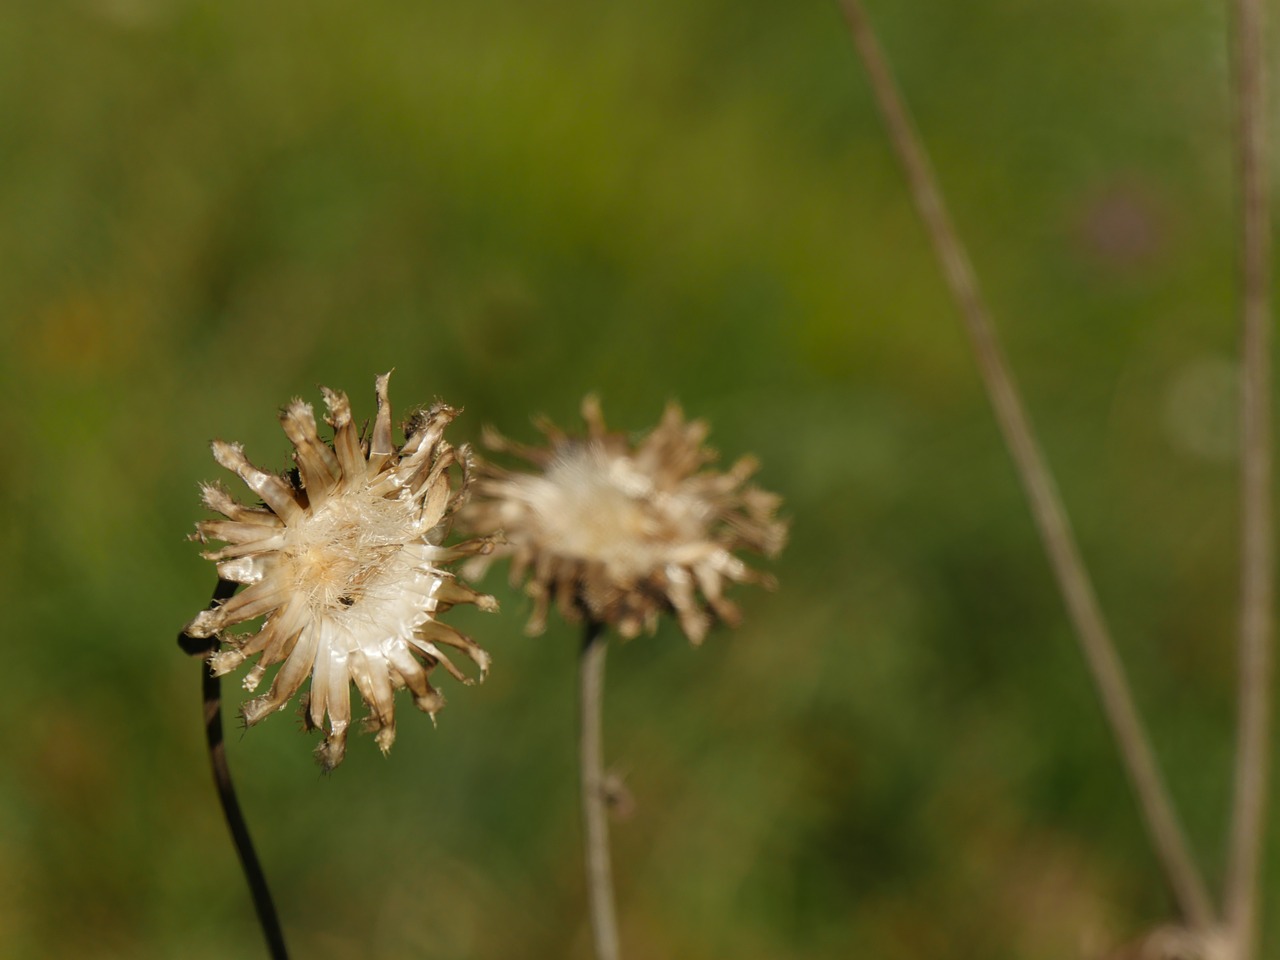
334, 553
597, 506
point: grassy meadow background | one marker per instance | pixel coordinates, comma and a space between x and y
209, 208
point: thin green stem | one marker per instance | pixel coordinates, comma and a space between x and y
1037, 481
595, 817
211, 693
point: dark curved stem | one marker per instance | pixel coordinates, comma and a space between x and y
595, 821
211, 688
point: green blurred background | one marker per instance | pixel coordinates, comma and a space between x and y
206, 209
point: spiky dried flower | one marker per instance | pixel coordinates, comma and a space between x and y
619, 533
343, 560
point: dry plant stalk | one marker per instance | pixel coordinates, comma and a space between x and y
1257, 563
211, 695
1050, 515
597, 860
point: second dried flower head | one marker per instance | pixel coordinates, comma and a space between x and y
618, 533
344, 561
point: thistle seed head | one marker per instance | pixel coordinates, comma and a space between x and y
343, 560
620, 533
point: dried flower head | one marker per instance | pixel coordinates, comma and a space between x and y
342, 560
619, 532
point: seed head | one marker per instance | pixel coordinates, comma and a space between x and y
343, 561
619, 532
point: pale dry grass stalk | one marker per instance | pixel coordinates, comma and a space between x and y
1033, 472
595, 813
1240, 899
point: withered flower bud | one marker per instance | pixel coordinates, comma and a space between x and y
343, 560
619, 533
